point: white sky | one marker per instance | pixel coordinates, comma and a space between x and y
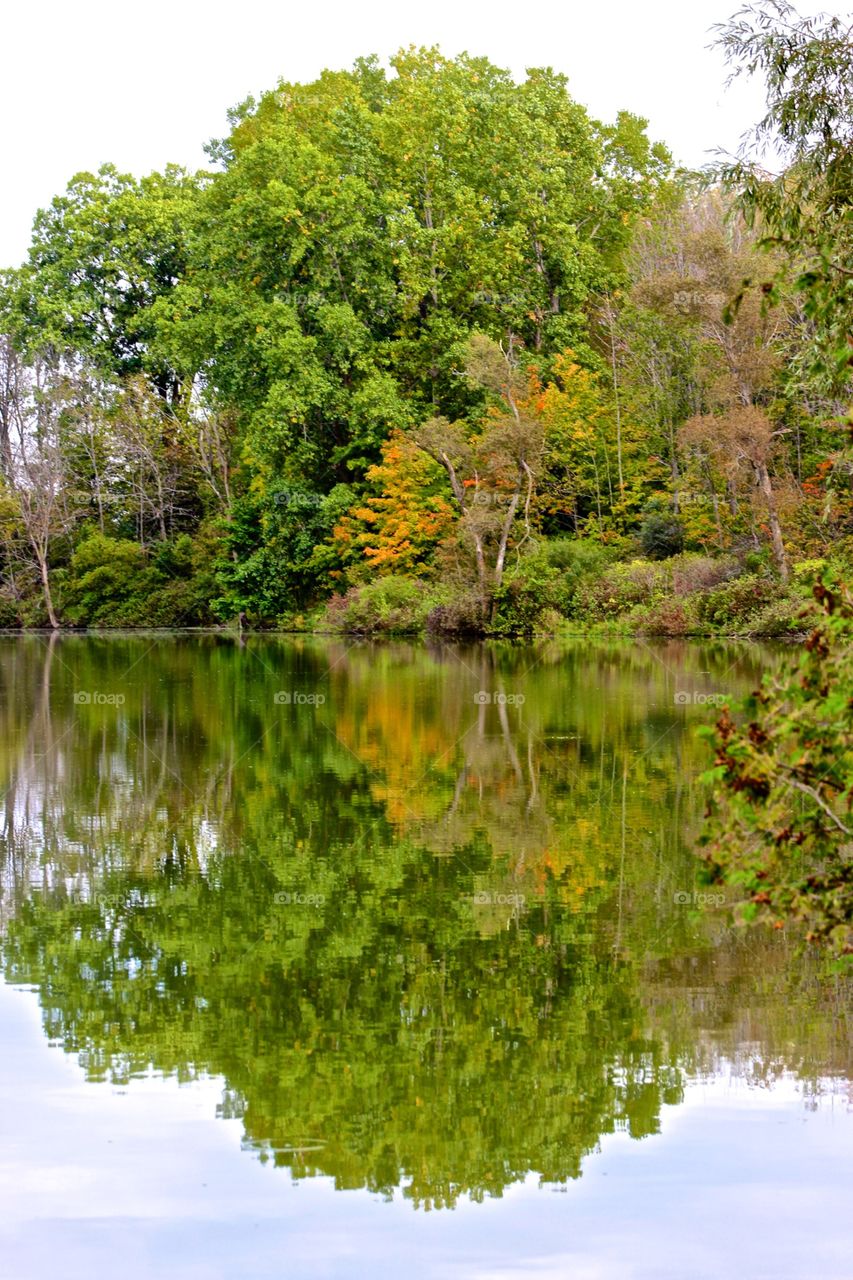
85, 81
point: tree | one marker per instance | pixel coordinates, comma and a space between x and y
363, 227
38, 477
403, 517
103, 255
803, 209
492, 474
742, 435
154, 468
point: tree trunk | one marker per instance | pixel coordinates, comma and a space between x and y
764, 484
501, 560
48, 599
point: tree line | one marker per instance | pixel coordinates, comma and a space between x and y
430, 347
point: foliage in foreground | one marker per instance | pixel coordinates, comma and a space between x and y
780, 824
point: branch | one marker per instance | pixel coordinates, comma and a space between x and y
810, 791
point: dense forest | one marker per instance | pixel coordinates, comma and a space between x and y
433, 349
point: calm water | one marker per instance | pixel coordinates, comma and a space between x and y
322, 959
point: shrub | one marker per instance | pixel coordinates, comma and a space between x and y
620, 588
10, 611
782, 618
734, 604
576, 557
184, 602
542, 581
393, 605
671, 617
575, 560
692, 573
465, 615
114, 582
110, 583
522, 599
661, 535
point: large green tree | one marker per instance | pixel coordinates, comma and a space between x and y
102, 255
364, 226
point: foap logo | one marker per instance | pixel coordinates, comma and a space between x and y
682, 898
298, 500
687, 298
689, 499
109, 901
296, 698
289, 898
482, 498
687, 697
95, 698
485, 299
291, 298
485, 898
484, 698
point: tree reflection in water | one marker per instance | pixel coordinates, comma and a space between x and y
427, 918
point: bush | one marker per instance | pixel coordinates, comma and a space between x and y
734, 605
110, 583
522, 599
184, 602
576, 557
661, 536
114, 582
542, 582
693, 573
465, 615
780, 619
671, 617
10, 612
391, 605
621, 587
275, 559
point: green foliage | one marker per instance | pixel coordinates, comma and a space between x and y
102, 256
114, 582
362, 229
111, 582
661, 536
10, 612
390, 605
804, 204
530, 594
575, 560
783, 620
275, 556
621, 586
735, 605
783, 784
417, 323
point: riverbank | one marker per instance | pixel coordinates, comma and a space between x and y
564, 588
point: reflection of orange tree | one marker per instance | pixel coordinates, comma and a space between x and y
455, 773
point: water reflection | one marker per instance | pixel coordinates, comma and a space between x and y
432, 914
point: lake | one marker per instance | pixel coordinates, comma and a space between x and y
323, 957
